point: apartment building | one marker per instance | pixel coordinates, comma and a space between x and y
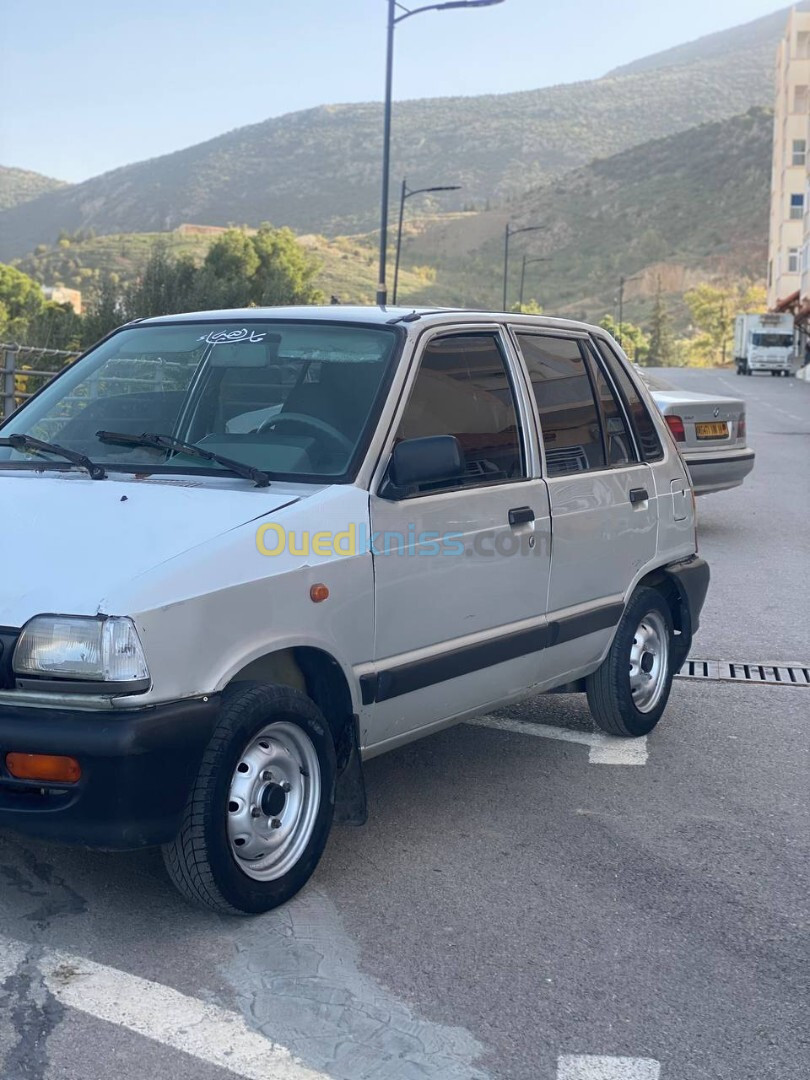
789, 242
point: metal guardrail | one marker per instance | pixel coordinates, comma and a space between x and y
22, 373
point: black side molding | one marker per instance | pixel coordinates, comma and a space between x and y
417, 674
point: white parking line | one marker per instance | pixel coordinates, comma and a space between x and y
588, 1067
207, 1032
603, 749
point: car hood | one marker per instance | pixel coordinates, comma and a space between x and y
66, 540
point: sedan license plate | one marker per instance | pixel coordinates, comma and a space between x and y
717, 430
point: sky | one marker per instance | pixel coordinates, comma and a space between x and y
90, 85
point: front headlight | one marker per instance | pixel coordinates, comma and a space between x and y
104, 649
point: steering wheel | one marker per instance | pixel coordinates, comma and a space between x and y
312, 422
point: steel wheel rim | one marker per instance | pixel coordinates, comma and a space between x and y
649, 661
273, 801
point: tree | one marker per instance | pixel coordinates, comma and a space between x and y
166, 287
662, 344
27, 318
286, 270
226, 277
21, 298
104, 312
713, 308
529, 307
633, 339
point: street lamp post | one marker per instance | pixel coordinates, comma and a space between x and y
526, 262
622, 282
405, 193
393, 19
513, 232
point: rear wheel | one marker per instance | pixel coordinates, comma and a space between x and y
261, 808
629, 692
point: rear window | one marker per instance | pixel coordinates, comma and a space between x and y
569, 419
648, 441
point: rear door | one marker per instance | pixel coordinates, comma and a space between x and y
602, 496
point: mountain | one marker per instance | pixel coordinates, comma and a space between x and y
763, 33
20, 186
318, 170
679, 210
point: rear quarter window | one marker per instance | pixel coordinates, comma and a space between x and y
646, 433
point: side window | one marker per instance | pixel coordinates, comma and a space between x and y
650, 444
463, 389
572, 434
618, 442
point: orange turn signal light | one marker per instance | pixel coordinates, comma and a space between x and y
50, 767
318, 593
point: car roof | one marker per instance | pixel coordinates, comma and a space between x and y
371, 314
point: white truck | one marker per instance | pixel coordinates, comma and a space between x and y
764, 343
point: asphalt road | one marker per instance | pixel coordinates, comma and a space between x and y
515, 909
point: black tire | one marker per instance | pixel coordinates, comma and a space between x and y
200, 860
608, 688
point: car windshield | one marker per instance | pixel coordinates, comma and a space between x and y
295, 400
773, 341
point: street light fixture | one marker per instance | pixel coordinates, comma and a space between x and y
405, 193
526, 262
513, 232
393, 20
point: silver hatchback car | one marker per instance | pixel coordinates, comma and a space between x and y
266, 545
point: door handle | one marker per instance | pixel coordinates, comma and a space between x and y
638, 495
519, 515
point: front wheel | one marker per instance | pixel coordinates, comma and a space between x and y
629, 692
260, 811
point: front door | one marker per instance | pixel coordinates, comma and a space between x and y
461, 567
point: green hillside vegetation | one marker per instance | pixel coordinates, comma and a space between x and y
346, 266
679, 210
20, 186
318, 170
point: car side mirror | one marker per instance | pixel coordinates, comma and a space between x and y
426, 460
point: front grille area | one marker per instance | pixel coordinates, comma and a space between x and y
8, 639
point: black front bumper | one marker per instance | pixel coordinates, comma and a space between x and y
138, 766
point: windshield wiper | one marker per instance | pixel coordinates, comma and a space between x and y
168, 442
36, 446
